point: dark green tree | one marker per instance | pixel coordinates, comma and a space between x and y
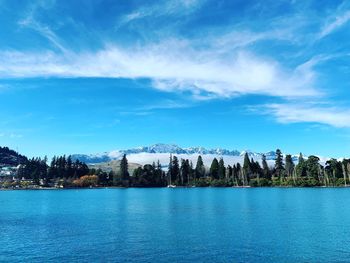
313, 167
175, 170
289, 165
300, 168
246, 170
279, 169
185, 171
124, 171
221, 169
200, 169
214, 169
266, 169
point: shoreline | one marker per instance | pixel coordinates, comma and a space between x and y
180, 187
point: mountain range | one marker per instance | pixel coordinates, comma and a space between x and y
161, 152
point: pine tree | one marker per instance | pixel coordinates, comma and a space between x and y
192, 173
221, 169
185, 171
229, 171
300, 168
289, 165
246, 164
313, 167
175, 174
200, 169
247, 169
214, 169
124, 173
240, 176
279, 164
266, 169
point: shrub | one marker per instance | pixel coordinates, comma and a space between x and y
86, 181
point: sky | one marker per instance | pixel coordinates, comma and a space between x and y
90, 76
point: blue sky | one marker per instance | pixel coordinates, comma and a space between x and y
92, 76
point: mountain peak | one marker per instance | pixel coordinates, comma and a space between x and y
163, 148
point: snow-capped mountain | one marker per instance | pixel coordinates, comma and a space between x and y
148, 154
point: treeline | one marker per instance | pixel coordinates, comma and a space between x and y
150, 175
307, 172
64, 172
283, 172
61, 167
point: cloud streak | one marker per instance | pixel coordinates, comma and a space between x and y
172, 66
308, 113
162, 8
337, 22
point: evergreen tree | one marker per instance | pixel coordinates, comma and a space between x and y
300, 167
313, 167
247, 169
246, 164
289, 165
221, 169
175, 173
69, 167
111, 176
214, 169
229, 171
192, 173
334, 169
279, 164
235, 177
124, 173
185, 171
266, 169
200, 169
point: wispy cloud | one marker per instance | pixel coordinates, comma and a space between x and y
308, 113
336, 23
152, 108
45, 31
30, 21
162, 8
172, 67
11, 135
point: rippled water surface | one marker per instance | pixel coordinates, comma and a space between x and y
176, 225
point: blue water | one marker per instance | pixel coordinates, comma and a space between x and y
176, 225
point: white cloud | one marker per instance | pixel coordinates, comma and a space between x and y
309, 113
11, 135
173, 66
45, 31
162, 8
337, 22
15, 135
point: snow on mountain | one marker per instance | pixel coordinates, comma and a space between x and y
161, 152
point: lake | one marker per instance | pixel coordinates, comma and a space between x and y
176, 225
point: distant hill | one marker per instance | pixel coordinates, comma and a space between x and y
10, 157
